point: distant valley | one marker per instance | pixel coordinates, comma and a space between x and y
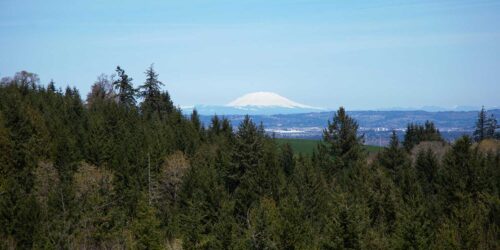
375, 125
284, 118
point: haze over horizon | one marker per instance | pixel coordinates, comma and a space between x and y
361, 55
266, 103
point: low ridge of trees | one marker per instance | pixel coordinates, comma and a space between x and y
416, 133
110, 172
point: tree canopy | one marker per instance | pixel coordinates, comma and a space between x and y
111, 173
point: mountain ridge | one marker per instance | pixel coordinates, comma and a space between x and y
255, 103
266, 99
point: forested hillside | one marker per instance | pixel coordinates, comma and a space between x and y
122, 168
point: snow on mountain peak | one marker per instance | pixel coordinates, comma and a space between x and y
265, 99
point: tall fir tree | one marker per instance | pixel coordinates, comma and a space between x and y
393, 157
151, 93
126, 91
341, 140
197, 125
481, 126
249, 146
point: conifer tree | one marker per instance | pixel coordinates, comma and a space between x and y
462, 174
126, 92
426, 165
413, 230
166, 104
146, 227
23, 136
393, 157
350, 235
195, 120
492, 125
248, 151
226, 127
312, 191
6, 147
151, 93
481, 125
215, 125
298, 231
416, 133
234, 190
264, 226
150, 90
342, 141
204, 203
287, 160
51, 86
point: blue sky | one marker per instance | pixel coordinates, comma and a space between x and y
359, 54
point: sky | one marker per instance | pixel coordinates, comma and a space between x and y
358, 54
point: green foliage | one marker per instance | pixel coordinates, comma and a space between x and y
342, 142
297, 230
255, 170
264, 226
126, 92
151, 93
205, 210
393, 157
146, 227
463, 174
113, 174
416, 133
413, 230
481, 126
308, 146
299, 146
427, 167
287, 161
485, 127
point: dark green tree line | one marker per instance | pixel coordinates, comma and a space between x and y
126, 169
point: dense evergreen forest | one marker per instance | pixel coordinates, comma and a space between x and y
125, 169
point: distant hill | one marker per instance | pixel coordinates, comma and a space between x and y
243, 110
376, 125
257, 103
446, 120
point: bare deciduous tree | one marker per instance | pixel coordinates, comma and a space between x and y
170, 179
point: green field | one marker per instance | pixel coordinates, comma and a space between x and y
306, 146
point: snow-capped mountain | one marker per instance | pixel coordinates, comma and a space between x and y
257, 103
266, 99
